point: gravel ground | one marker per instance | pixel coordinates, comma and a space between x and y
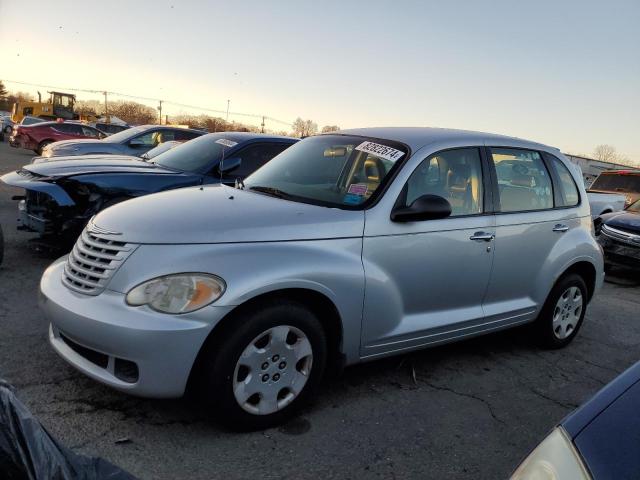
468, 410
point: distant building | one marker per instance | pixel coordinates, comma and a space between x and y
591, 168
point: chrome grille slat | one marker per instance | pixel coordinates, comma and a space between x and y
94, 253
87, 261
93, 261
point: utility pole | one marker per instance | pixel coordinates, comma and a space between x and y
262, 131
106, 107
160, 112
228, 102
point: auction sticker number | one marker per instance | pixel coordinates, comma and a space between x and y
380, 150
226, 143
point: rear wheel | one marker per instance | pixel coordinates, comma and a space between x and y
563, 312
8, 129
265, 367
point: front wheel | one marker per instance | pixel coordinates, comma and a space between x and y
265, 366
563, 312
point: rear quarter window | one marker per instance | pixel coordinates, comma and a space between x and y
569, 196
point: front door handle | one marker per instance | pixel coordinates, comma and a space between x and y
560, 228
487, 237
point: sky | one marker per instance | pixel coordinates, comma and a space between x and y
562, 72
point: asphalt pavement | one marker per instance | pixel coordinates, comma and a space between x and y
470, 410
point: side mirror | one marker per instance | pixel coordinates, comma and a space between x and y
425, 207
229, 164
137, 142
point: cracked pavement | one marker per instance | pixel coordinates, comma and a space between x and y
466, 410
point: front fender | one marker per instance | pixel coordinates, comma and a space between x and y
330, 267
56, 192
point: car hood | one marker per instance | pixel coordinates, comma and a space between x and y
90, 164
221, 214
625, 220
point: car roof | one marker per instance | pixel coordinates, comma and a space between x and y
418, 137
244, 136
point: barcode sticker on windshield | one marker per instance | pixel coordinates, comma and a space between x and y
226, 143
380, 150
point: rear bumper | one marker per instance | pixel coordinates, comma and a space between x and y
96, 334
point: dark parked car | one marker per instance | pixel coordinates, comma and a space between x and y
133, 141
37, 136
62, 196
619, 235
599, 440
110, 128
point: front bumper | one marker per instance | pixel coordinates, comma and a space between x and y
620, 251
95, 334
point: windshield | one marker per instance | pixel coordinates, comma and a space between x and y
332, 170
163, 147
195, 154
125, 135
617, 182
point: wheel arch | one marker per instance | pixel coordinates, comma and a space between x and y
588, 273
318, 302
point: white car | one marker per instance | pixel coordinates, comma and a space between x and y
602, 203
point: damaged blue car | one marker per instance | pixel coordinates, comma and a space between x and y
60, 197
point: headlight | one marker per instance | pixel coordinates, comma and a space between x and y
554, 459
179, 293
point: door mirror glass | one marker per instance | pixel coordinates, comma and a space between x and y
425, 207
229, 164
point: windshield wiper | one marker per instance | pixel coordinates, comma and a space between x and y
274, 192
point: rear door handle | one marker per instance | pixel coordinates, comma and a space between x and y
487, 237
560, 228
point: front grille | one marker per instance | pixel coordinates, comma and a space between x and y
621, 235
93, 261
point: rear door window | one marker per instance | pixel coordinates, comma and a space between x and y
524, 183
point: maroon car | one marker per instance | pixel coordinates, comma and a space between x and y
35, 137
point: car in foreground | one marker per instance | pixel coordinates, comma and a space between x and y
346, 247
37, 136
61, 196
619, 235
599, 440
132, 141
624, 182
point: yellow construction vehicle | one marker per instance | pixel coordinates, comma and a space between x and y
60, 105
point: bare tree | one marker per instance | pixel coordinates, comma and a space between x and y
330, 128
608, 153
3, 90
304, 128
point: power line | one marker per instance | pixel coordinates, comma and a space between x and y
149, 99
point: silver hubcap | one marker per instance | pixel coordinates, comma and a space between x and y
272, 370
567, 312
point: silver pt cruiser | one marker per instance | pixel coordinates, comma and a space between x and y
346, 247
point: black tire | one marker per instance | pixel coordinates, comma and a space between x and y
41, 146
8, 129
544, 327
219, 364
